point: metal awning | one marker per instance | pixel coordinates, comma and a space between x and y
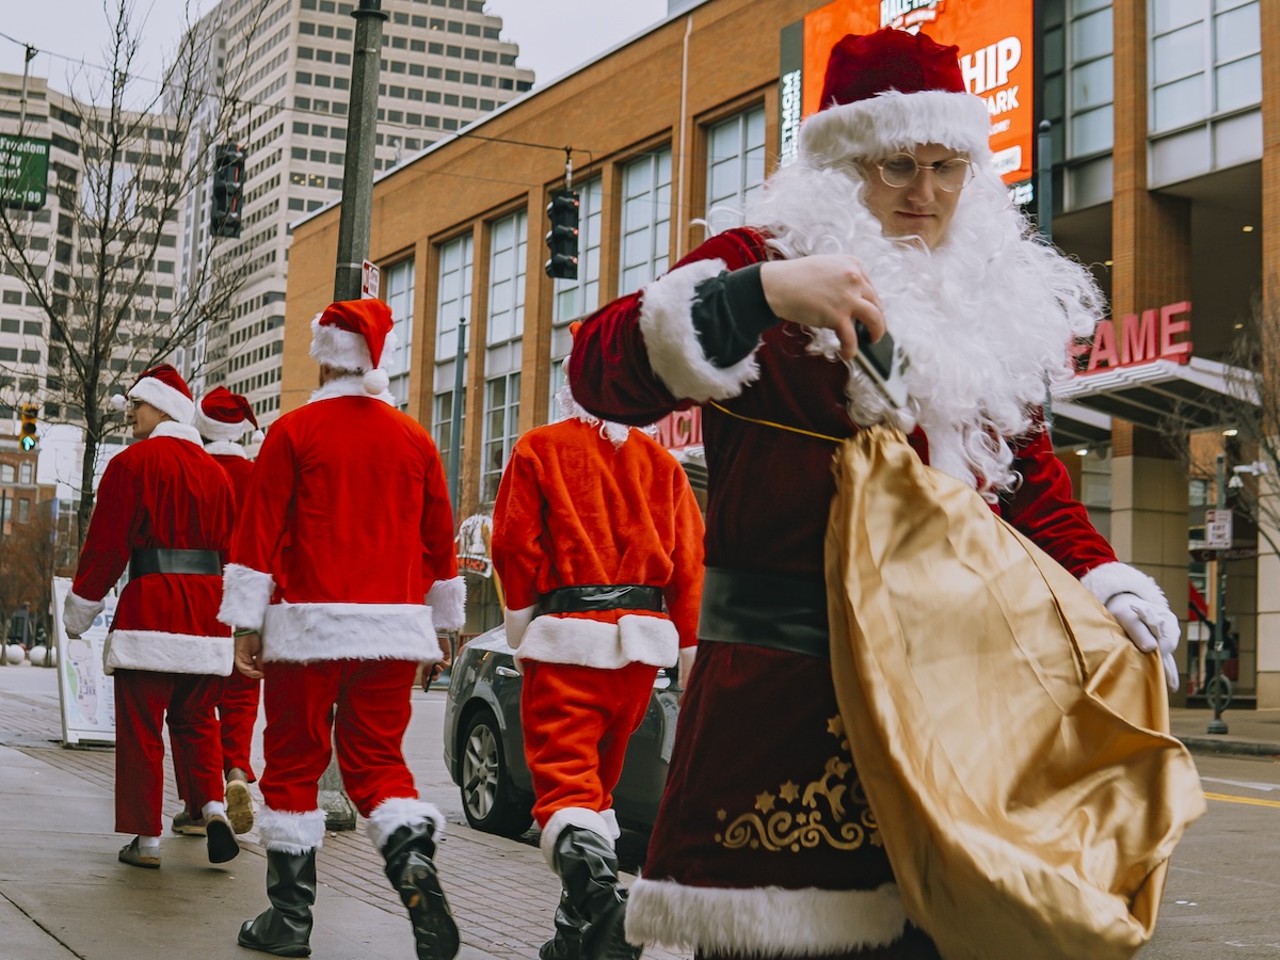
1199, 391
1075, 425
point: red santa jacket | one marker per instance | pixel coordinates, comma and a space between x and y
164, 492
770, 489
345, 536
577, 509
233, 458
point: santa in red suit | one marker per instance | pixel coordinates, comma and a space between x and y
164, 511
893, 216
597, 541
223, 418
342, 571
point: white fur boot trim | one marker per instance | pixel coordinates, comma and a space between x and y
767, 920
294, 833
396, 812
610, 817
572, 817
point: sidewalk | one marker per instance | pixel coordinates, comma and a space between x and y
1249, 732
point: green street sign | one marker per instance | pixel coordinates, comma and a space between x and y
24, 172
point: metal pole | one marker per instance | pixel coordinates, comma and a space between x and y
1219, 695
455, 422
353, 247
1044, 218
357, 171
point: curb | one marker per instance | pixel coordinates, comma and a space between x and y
1250, 748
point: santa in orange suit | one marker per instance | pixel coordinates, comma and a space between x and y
164, 510
597, 540
223, 418
343, 569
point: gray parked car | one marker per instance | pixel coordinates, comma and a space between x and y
484, 748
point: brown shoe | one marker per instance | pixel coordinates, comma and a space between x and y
239, 806
188, 825
132, 854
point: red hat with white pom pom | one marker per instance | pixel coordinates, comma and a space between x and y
223, 415
354, 335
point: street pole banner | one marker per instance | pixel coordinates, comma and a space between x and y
86, 693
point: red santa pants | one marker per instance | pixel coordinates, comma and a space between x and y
373, 709
577, 721
237, 713
142, 697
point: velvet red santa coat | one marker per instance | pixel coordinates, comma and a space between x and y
340, 557
162, 492
575, 509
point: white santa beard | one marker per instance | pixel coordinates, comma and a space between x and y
985, 319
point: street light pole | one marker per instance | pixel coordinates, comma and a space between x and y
1219, 696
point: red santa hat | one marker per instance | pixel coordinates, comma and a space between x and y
354, 335
223, 415
163, 388
890, 90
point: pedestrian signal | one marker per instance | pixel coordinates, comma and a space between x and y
27, 434
562, 238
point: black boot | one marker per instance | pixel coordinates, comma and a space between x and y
284, 928
588, 868
412, 872
567, 943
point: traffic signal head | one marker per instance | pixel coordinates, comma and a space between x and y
562, 238
27, 433
228, 190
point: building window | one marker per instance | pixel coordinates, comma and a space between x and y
1090, 127
508, 243
24, 510
574, 298
646, 219
502, 412
735, 168
454, 300
7, 473
1203, 63
398, 294
442, 427
24, 472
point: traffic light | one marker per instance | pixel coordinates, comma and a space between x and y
27, 434
228, 190
562, 238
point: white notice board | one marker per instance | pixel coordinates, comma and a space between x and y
85, 691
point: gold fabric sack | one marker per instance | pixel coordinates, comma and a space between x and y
1012, 742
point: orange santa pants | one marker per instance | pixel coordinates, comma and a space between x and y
577, 721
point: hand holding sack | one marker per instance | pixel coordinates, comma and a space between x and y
1011, 740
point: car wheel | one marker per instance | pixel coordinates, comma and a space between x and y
489, 799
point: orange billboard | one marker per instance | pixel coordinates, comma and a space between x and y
996, 41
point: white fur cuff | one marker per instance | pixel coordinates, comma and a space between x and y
78, 613
294, 833
675, 353
1109, 579
448, 602
516, 623
246, 594
566, 817
396, 812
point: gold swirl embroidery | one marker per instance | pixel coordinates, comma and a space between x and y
771, 825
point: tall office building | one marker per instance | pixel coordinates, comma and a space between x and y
288, 64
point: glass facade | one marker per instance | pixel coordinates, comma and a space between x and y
735, 168
646, 219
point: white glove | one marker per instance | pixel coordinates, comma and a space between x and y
1151, 627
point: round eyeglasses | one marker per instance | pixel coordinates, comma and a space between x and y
901, 170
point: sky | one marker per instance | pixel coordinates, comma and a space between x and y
554, 35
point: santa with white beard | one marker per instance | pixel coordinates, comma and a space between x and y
892, 217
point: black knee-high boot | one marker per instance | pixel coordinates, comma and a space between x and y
284, 928
411, 870
567, 943
588, 868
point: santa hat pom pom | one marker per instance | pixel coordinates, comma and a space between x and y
376, 381
118, 402
258, 436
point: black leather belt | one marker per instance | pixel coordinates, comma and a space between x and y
162, 560
764, 610
591, 598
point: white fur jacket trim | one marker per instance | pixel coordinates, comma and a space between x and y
769, 921
246, 594
225, 448
179, 431
1109, 579
307, 632
164, 652
675, 353
448, 602
293, 833
572, 817
78, 613
635, 638
396, 812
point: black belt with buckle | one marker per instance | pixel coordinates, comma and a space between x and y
591, 598
164, 560
765, 610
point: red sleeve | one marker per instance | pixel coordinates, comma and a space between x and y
264, 516
684, 592
1044, 510
106, 545
517, 529
439, 558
